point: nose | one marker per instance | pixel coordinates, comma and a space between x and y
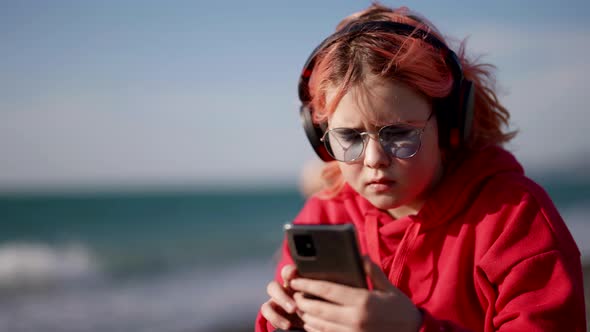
375, 155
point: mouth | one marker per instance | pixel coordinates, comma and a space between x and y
381, 185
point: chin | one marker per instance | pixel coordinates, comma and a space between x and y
384, 202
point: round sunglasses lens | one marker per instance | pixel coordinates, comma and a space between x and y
344, 144
405, 151
401, 142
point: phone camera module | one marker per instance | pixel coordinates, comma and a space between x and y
304, 245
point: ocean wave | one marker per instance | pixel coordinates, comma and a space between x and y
24, 265
204, 299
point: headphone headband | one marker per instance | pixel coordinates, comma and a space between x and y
452, 128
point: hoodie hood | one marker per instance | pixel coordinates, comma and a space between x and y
461, 184
458, 187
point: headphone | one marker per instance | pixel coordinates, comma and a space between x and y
454, 112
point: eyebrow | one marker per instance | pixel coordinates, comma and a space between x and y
403, 122
412, 123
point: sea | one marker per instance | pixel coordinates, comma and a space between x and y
162, 260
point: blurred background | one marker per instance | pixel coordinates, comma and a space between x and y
150, 151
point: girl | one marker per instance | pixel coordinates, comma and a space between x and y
457, 238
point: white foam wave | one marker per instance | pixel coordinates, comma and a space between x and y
35, 264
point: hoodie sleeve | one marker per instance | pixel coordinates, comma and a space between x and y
538, 294
531, 275
312, 212
528, 276
431, 324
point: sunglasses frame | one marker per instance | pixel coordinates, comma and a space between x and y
371, 134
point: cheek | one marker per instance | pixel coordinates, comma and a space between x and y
425, 168
428, 166
430, 153
350, 172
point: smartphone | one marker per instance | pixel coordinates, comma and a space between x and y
327, 252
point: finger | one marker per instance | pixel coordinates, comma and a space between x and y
336, 293
324, 310
272, 315
288, 272
315, 324
376, 275
280, 297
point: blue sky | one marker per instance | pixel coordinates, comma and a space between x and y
131, 93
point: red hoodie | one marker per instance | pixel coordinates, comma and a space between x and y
487, 252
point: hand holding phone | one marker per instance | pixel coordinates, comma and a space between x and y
330, 253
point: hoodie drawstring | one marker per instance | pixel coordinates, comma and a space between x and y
372, 226
402, 252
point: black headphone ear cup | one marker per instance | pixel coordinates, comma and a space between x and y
443, 120
314, 133
455, 116
467, 103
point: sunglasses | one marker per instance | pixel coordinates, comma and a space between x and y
399, 140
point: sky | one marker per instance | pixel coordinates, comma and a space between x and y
121, 94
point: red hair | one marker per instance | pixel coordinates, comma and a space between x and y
348, 62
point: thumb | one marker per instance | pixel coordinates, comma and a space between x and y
376, 275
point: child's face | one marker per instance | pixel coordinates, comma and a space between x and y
397, 185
